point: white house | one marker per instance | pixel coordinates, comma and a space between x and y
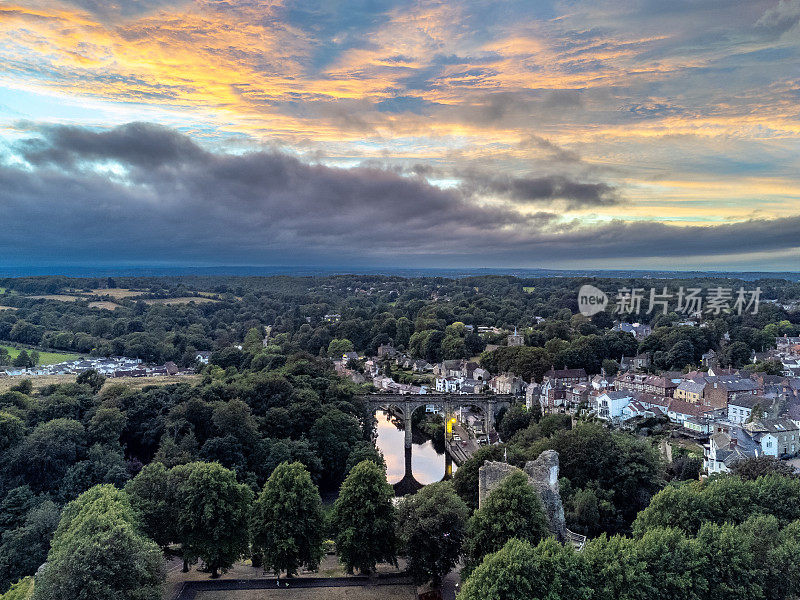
610, 405
448, 385
740, 407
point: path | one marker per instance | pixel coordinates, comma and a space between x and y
190, 589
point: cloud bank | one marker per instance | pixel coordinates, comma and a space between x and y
147, 193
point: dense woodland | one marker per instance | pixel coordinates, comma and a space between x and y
420, 315
91, 461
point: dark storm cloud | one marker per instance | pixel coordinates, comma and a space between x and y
544, 190
137, 144
146, 193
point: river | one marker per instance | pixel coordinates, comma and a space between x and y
427, 465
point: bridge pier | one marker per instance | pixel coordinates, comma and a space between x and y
489, 416
407, 412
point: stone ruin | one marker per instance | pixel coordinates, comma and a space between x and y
543, 476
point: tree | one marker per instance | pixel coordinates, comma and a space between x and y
153, 496
680, 355
338, 347
23, 360
512, 510
22, 590
25, 548
92, 378
287, 520
12, 430
721, 500
98, 553
364, 519
736, 355
45, 455
520, 571
334, 435
616, 572
610, 366
253, 340
517, 417
107, 425
214, 513
730, 566
672, 565
364, 450
751, 469
431, 530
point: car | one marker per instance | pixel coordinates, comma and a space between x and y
456, 438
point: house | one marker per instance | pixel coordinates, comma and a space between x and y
720, 389
421, 366
171, 368
449, 368
472, 386
577, 396
348, 356
566, 376
690, 390
777, 437
726, 448
787, 343
448, 385
386, 350
601, 382
553, 397
637, 330
507, 383
650, 384
680, 410
515, 339
382, 382
700, 426
609, 405
740, 407
481, 374
332, 318
640, 362
203, 357
469, 369
659, 405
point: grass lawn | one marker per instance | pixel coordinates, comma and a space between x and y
182, 300
116, 292
528, 289
45, 358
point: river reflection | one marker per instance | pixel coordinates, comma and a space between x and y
428, 466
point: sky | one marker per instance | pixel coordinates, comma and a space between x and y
565, 134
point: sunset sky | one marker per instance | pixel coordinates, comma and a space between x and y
641, 134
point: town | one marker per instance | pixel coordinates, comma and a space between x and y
436, 429
731, 413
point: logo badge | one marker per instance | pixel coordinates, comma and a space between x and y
591, 300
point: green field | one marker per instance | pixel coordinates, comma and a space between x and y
528, 289
45, 358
